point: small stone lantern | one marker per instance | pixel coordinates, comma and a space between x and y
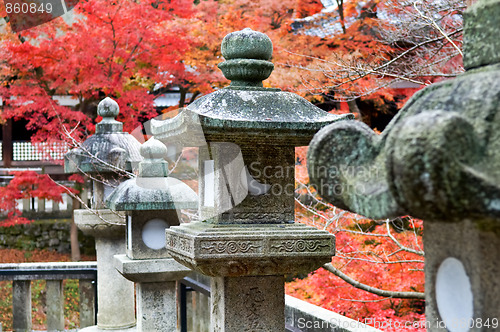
152, 201
105, 156
248, 239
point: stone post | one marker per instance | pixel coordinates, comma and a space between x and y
107, 156
21, 305
152, 201
55, 305
87, 303
439, 161
248, 240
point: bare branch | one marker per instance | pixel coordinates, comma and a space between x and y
380, 292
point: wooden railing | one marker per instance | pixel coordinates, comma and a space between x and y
21, 276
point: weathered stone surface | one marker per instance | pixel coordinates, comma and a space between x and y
481, 42
438, 159
252, 303
106, 156
155, 193
55, 305
232, 250
248, 187
21, 305
115, 294
101, 223
235, 115
157, 306
150, 270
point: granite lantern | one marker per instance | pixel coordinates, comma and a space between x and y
438, 160
247, 239
106, 157
152, 202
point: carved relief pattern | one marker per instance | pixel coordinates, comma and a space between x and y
250, 216
254, 298
230, 247
300, 245
180, 243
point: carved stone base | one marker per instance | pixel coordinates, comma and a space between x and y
244, 250
254, 304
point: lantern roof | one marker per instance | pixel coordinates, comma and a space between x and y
108, 150
152, 189
245, 111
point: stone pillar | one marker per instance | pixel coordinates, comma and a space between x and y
439, 161
156, 306
87, 303
155, 289
245, 301
55, 206
55, 305
26, 204
21, 305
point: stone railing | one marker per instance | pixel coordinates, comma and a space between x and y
54, 273
194, 299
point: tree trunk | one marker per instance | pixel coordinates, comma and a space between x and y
7, 147
75, 244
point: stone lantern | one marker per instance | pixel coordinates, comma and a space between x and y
152, 201
106, 157
247, 240
438, 160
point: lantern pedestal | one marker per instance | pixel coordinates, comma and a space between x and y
248, 264
156, 290
115, 301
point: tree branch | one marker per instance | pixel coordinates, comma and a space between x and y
380, 292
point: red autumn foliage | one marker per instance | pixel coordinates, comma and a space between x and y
383, 255
27, 184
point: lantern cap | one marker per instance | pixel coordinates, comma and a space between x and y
152, 189
108, 150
